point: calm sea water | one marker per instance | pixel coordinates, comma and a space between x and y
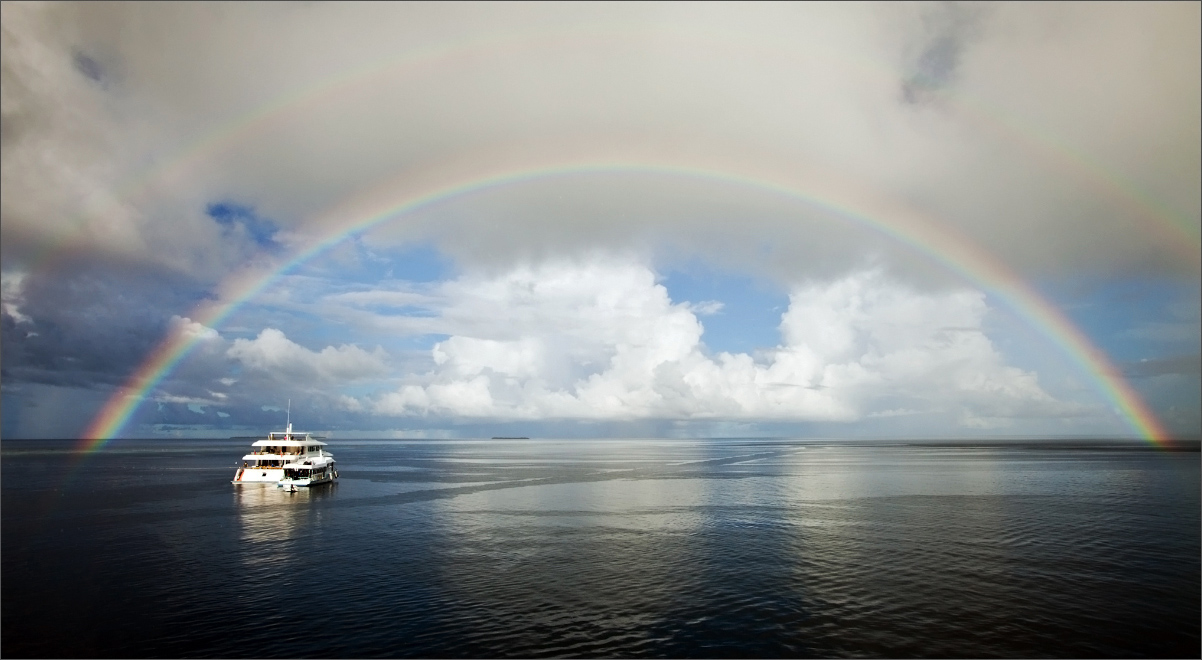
604, 548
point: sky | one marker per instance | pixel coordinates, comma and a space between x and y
576, 220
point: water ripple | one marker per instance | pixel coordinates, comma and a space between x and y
607, 549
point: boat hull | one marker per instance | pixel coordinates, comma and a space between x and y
305, 482
258, 475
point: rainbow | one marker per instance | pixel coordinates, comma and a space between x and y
885, 217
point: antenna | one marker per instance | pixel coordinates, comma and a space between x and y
289, 416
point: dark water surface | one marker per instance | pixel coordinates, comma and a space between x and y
604, 548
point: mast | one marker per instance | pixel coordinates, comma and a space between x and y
289, 431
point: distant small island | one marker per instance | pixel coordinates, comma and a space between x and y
510, 437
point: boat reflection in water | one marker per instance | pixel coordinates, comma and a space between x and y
276, 524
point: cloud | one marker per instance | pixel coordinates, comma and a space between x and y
192, 330
273, 353
706, 307
81, 156
1047, 116
90, 321
1188, 365
950, 26
151, 150
10, 285
602, 340
1181, 326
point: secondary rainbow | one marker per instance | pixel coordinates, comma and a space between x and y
1181, 232
934, 241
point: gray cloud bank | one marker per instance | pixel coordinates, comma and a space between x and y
1024, 127
1062, 138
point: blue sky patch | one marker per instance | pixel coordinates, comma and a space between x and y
1136, 319
414, 263
751, 308
230, 215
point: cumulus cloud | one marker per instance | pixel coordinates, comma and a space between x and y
272, 352
603, 340
192, 330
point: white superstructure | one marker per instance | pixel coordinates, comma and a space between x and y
287, 458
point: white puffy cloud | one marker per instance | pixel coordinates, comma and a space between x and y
11, 296
272, 352
191, 330
602, 339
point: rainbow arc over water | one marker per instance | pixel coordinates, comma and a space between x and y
394, 201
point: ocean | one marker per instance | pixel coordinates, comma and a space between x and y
588, 548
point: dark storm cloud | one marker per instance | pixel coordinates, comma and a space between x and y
1185, 365
90, 322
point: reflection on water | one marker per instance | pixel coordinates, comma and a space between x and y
271, 520
593, 564
599, 548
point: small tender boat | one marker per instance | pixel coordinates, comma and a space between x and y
309, 470
288, 459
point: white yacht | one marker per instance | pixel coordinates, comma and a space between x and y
288, 459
